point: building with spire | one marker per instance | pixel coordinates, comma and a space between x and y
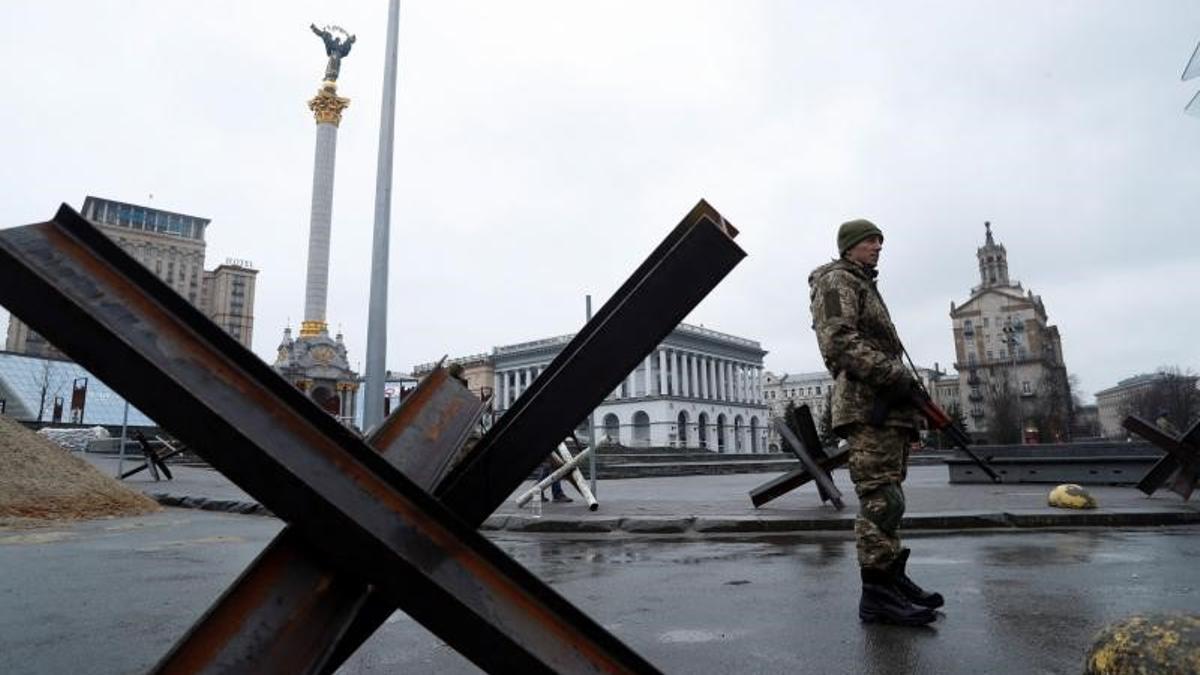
1012, 376
316, 363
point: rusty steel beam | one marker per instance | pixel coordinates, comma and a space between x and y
291, 608
1181, 462
283, 614
424, 450
814, 469
795, 478
76, 287
695, 256
376, 607
807, 448
423, 436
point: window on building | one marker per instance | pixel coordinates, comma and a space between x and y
1025, 388
818, 390
971, 358
989, 355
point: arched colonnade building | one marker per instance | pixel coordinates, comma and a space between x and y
698, 389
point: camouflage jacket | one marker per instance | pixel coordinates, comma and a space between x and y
858, 343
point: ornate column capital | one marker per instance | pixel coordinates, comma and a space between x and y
327, 106
312, 328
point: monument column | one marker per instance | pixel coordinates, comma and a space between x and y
327, 109
315, 357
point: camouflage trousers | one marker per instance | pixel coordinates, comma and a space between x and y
878, 465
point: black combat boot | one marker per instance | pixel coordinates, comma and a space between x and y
882, 602
915, 594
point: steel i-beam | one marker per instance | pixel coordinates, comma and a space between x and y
291, 608
427, 471
680, 272
1182, 459
76, 287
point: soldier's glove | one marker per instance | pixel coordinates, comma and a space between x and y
901, 391
895, 394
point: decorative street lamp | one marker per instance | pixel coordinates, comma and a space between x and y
1010, 331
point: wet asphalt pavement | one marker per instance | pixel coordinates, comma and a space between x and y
111, 596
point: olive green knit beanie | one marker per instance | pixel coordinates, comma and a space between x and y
854, 231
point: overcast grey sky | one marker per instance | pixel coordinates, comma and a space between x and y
544, 148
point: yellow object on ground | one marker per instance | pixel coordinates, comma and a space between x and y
1071, 496
1147, 644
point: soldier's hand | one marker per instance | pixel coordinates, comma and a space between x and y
900, 391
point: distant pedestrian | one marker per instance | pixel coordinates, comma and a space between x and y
556, 490
153, 461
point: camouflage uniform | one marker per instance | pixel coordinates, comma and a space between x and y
863, 352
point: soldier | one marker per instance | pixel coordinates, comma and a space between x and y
871, 410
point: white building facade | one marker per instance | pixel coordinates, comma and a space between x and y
698, 389
811, 389
814, 389
1115, 403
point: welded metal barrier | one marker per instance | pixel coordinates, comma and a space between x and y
815, 463
351, 513
680, 272
292, 606
1180, 468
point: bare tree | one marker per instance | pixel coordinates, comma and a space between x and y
1051, 412
938, 438
825, 424
49, 385
1004, 413
1173, 392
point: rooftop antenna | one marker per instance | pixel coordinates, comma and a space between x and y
1193, 70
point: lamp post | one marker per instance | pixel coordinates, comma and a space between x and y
1010, 340
376, 373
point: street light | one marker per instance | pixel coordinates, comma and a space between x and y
1010, 331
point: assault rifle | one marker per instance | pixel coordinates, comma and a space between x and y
938, 421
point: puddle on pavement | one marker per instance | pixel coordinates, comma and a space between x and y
694, 635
